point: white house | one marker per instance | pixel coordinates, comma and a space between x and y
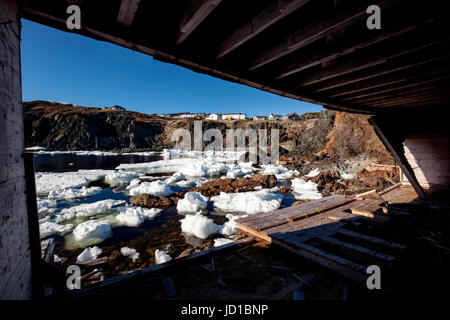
214, 116
234, 116
259, 118
274, 116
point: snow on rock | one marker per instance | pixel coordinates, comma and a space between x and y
156, 188
306, 190
89, 254
71, 193
118, 178
134, 216
46, 205
47, 228
249, 202
192, 202
229, 227
313, 173
347, 176
94, 230
200, 226
162, 256
130, 252
221, 242
48, 181
90, 209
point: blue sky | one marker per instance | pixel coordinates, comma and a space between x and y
64, 67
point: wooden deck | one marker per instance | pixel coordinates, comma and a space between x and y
319, 231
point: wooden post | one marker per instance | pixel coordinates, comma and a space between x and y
400, 158
33, 227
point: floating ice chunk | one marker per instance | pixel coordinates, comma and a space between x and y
46, 205
221, 242
89, 254
313, 173
91, 209
177, 176
280, 172
200, 226
93, 230
250, 202
134, 216
117, 178
235, 173
48, 181
347, 176
35, 148
192, 202
130, 252
156, 188
71, 193
48, 228
162, 256
306, 190
171, 165
187, 183
133, 183
204, 168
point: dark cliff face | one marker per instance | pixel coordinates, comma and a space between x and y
57, 126
65, 127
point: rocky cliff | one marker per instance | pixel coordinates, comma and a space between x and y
58, 126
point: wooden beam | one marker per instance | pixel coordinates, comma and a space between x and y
394, 66
127, 12
387, 80
352, 43
400, 158
273, 13
196, 12
313, 32
379, 55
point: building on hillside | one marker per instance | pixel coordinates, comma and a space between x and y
259, 118
292, 116
274, 116
234, 116
118, 108
214, 116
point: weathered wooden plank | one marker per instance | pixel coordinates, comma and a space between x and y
273, 13
356, 248
344, 267
378, 241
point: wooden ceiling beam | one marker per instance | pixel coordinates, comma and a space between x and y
378, 56
313, 32
197, 11
127, 12
275, 12
387, 80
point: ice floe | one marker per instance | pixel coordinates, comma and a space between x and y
200, 226
47, 228
118, 178
89, 209
46, 206
280, 172
249, 202
89, 254
130, 252
192, 202
135, 216
71, 193
305, 190
93, 230
162, 256
156, 188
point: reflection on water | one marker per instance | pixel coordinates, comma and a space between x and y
70, 162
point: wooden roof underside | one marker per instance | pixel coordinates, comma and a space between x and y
317, 51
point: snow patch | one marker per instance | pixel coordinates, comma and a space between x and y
249, 202
93, 230
162, 256
156, 188
221, 242
89, 254
135, 216
192, 202
306, 190
313, 173
130, 252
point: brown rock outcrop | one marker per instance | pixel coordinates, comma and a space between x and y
150, 201
229, 185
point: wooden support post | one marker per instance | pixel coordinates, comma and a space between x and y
400, 158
